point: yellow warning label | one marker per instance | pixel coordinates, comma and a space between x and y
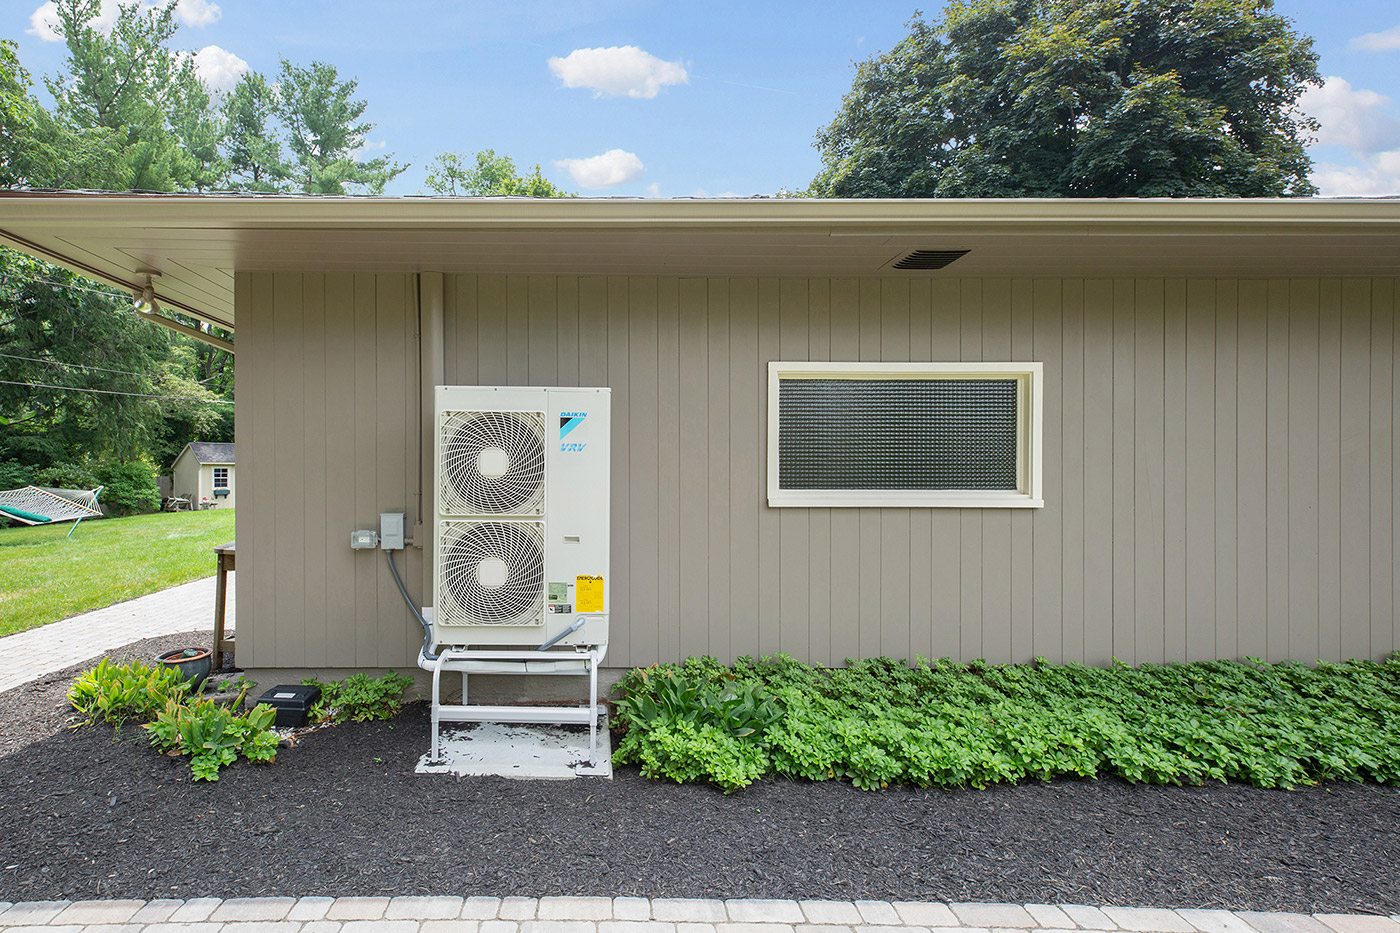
588, 594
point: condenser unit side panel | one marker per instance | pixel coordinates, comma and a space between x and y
578, 500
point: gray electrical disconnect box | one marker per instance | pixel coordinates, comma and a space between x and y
391, 531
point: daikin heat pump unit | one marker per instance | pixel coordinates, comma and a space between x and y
520, 549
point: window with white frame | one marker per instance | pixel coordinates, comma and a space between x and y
963, 435
221, 478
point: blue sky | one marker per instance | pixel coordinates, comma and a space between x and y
688, 99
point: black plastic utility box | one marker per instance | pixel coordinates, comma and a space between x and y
292, 703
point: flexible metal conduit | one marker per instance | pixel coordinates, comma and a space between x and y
424, 653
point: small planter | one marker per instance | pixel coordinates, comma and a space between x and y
194, 664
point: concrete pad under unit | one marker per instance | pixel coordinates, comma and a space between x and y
527, 752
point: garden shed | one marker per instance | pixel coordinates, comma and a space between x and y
204, 473
1190, 453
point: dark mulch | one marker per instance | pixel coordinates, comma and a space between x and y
40, 708
97, 813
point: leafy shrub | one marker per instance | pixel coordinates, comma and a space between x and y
213, 736
359, 698
115, 693
130, 487
880, 722
15, 475
74, 475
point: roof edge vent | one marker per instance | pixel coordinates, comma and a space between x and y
930, 258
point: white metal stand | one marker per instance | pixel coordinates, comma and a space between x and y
581, 661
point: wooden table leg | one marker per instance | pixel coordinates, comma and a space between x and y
220, 598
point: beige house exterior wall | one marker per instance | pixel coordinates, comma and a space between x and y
1218, 463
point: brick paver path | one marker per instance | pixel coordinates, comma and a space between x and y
26, 656
640, 915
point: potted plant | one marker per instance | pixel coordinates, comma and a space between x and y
194, 664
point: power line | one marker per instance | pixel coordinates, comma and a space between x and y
168, 398
35, 359
49, 282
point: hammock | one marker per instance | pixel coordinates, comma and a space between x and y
40, 505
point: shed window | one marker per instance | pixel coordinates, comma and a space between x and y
221, 478
904, 434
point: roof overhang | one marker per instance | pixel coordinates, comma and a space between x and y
197, 242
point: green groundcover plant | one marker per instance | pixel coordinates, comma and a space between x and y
358, 698
881, 721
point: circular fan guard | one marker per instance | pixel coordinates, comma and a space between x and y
517, 601
465, 490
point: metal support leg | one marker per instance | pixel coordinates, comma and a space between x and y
435, 758
592, 709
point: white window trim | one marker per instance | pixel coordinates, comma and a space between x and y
215, 475
1028, 495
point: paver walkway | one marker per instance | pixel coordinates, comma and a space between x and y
26, 656
639, 915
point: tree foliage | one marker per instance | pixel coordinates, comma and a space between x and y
487, 174
326, 132
257, 161
1079, 98
130, 85
38, 150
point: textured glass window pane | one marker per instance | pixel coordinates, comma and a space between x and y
897, 433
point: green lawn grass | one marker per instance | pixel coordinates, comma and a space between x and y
45, 577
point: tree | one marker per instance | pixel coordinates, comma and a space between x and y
325, 132
199, 128
255, 156
488, 175
127, 86
18, 114
1079, 98
40, 152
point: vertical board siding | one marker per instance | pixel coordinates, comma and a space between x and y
1218, 463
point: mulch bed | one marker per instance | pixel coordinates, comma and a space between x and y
97, 813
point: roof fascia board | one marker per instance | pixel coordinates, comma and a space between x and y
859, 217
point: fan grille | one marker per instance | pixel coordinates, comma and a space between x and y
492, 463
492, 573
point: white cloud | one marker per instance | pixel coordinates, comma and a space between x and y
1380, 177
218, 69
612, 168
1351, 117
198, 12
43, 22
1387, 41
1355, 119
654, 189
618, 71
